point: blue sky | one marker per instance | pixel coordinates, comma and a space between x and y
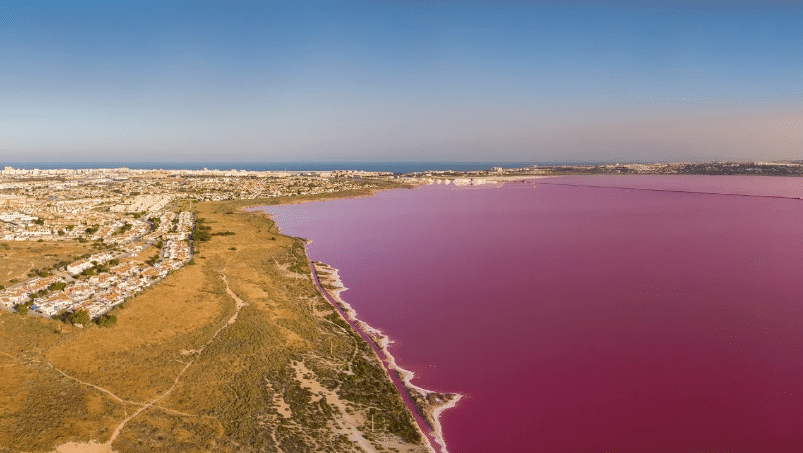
142, 80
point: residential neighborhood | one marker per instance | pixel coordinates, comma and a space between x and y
103, 280
138, 224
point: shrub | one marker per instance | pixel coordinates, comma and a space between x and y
123, 229
57, 286
78, 317
202, 236
107, 320
152, 260
223, 233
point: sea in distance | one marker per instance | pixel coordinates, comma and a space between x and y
393, 167
588, 314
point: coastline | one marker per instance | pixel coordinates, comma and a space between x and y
426, 405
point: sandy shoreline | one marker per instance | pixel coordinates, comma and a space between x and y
427, 406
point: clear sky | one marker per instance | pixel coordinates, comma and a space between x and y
141, 80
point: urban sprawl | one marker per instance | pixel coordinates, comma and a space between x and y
141, 226
132, 218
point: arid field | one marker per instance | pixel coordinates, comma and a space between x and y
235, 352
19, 258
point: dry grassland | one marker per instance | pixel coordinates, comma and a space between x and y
194, 372
20, 257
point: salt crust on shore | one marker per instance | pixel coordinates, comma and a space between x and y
432, 412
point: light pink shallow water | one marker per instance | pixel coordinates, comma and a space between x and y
583, 318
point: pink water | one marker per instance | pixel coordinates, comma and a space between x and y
586, 319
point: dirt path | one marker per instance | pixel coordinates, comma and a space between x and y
240, 304
120, 400
95, 447
101, 389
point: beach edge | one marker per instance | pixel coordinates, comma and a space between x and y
426, 406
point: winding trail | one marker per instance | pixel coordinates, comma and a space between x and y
108, 392
239, 304
107, 447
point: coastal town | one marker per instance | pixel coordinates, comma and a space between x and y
98, 282
78, 244
138, 225
135, 272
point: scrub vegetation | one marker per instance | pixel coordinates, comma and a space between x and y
21, 260
238, 352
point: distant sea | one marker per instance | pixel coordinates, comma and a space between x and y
393, 167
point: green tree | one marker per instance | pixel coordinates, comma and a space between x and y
78, 317
107, 320
153, 260
202, 236
57, 286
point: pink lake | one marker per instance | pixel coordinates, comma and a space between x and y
585, 319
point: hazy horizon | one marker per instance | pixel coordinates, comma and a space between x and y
441, 81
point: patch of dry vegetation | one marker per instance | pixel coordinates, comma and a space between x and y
18, 258
287, 375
